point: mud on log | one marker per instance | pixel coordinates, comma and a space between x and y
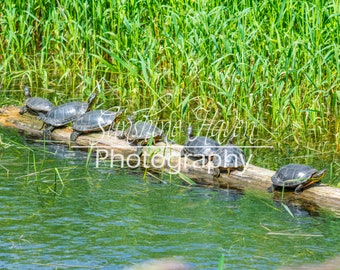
252, 177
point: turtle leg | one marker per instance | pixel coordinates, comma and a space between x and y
121, 136
139, 148
47, 133
309, 184
131, 142
111, 128
22, 110
202, 161
271, 189
216, 172
41, 116
43, 125
182, 153
298, 189
74, 135
205, 160
301, 187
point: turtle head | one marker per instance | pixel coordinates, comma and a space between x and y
130, 119
118, 115
319, 174
27, 91
41, 116
190, 135
120, 112
91, 99
230, 141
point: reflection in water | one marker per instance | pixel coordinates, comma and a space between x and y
59, 151
332, 264
111, 218
298, 209
161, 264
228, 195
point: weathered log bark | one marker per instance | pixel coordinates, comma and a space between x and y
167, 158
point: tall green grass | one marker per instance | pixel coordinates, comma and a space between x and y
266, 69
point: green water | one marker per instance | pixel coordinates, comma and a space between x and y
56, 212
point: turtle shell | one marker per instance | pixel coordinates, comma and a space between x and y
293, 175
66, 113
36, 105
229, 157
200, 146
95, 120
143, 131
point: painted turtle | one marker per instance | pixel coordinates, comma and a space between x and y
295, 176
228, 158
94, 121
64, 114
139, 133
35, 105
202, 148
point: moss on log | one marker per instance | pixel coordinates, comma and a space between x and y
167, 158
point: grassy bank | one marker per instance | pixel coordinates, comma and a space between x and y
267, 69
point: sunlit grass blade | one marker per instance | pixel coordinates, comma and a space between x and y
58, 176
221, 263
186, 179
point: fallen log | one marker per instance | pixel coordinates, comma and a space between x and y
167, 157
